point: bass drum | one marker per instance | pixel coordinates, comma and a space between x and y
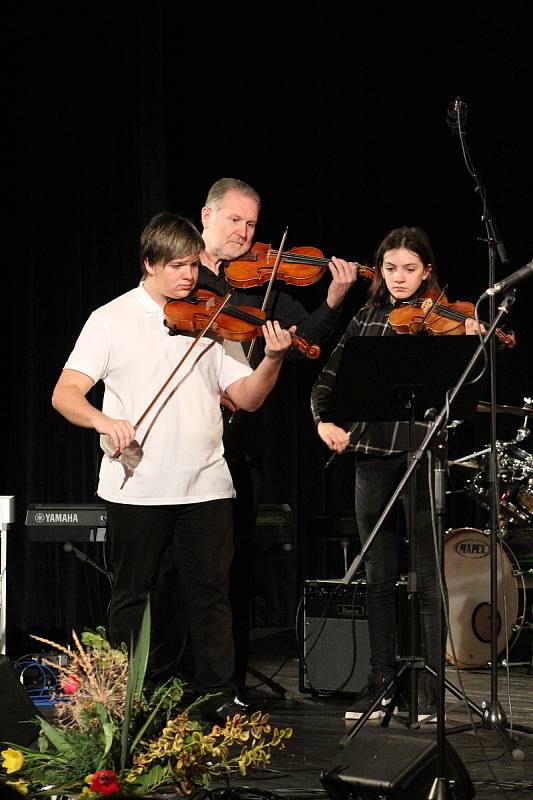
467, 572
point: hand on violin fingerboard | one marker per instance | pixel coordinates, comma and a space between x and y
472, 328
344, 275
277, 340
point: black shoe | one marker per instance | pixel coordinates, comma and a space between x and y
367, 697
426, 700
241, 695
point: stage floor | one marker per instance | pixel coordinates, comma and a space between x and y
319, 725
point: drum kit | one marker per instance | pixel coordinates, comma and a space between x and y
467, 551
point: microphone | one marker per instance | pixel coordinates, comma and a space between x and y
456, 115
515, 277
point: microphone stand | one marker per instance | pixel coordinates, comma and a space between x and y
494, 715
68, 547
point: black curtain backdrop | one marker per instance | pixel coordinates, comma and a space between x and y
117, 113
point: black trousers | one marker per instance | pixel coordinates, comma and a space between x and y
376, 478
198, 538
247, 481
171, 654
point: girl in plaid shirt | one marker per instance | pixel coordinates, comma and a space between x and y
405, 269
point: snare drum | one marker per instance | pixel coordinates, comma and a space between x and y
467, 572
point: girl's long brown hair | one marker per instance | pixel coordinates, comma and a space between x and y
414, 239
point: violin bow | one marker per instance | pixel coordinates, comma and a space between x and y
269, 286
265, 301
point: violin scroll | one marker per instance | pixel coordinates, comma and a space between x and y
309, 350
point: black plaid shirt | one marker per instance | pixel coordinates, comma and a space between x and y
371, 438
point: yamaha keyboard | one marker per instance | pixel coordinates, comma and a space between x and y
64, 522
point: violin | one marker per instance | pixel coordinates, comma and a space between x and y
300, 266
438, 317
236, 323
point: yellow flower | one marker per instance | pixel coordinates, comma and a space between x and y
19, 786
12, 760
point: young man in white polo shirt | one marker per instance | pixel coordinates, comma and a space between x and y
179, 493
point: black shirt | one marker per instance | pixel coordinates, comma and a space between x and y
315, 327
242, 438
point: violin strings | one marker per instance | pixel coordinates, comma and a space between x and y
302, 259
451, 313
235, 311
454, 314
296, 258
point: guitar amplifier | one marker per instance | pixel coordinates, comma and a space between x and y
275, 525
335, 649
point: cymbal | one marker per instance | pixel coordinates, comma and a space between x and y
516, 410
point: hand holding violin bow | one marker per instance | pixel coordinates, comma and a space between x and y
333, 436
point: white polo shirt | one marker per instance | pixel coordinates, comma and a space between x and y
126, 345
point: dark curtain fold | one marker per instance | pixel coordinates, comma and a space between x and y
87, 170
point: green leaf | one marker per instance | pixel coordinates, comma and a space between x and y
156, 775
136, 673
97, 640
58, 739
108, 728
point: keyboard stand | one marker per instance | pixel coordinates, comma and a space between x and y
7, 519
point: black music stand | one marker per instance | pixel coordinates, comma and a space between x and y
389, 366
406, 378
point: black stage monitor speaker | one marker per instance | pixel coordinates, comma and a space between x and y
394, 764
17, 712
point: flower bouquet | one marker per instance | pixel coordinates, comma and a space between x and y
109, 736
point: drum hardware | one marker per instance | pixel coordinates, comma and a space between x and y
515, 479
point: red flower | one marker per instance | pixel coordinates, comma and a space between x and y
105, 782
70, 685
